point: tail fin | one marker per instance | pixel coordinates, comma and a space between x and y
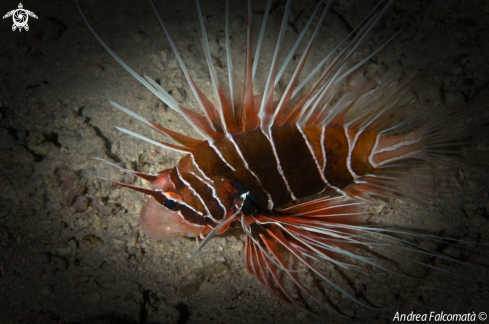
455, 138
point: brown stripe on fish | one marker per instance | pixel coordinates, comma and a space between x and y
187, 194
258, 152
297, 161
188, 165
191, 215
210, 162
248, 179
337, 150
216, 211
359, 161
313, 136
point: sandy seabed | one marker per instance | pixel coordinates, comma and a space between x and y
71, 249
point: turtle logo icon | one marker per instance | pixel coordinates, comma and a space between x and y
20, 17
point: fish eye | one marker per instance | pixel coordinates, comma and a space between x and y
170, 204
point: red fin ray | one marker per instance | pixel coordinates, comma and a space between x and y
325, 206
157, 194
231, 105
238, 99
210, 111
186, 141
305, 239
275, 232
256, 256
290, 244
230, 123
259, 265
200, 122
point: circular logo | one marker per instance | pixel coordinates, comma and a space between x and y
482, 316
20, 17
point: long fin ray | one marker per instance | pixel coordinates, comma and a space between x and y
197, 93
165, 99
157, 194
250, 120
331, 53
164, 145
298, 41
266, 107
285, 100
187, 142
260, 38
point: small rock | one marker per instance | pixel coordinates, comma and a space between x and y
115, 194
97, 223
220, 259
57, 206
82, 203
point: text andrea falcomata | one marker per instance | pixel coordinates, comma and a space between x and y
439, 317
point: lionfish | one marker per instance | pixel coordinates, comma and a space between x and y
295, 171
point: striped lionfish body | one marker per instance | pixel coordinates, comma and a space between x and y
261, 156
